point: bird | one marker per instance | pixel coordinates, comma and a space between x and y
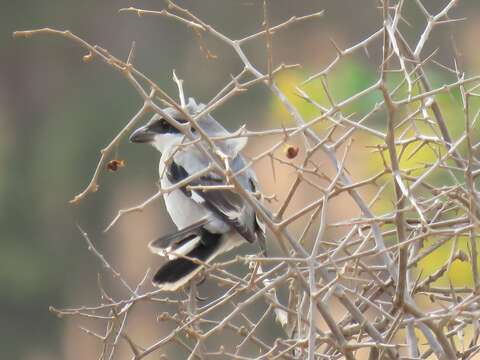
209, 222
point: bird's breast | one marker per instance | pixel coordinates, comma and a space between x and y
181, 208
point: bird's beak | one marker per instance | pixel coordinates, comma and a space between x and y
142, 135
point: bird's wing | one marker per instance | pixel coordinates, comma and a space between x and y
227, 204
178, 240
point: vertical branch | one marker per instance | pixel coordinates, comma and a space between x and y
192, 312
400, 199
268, 41
472, 194
181, 95
390, 142
312, 280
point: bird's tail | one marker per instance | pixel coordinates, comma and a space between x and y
194, 242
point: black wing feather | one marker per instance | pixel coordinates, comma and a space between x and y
179, 237
175, 270
228, 205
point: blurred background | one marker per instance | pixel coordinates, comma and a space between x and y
57, 112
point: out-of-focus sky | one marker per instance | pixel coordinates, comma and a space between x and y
56, 112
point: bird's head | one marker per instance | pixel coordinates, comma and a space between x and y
159, 133
164, 136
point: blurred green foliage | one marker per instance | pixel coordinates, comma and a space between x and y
349, 78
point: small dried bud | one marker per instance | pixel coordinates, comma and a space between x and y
163, 316
242, 331
291, 151
114, 165
88, 58
303, 344
462, 256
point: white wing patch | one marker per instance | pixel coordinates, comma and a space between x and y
197, 198
171, 254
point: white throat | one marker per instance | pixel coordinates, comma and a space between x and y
165, 143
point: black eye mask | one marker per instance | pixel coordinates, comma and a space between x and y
162, 126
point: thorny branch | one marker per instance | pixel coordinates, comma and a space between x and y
368, 268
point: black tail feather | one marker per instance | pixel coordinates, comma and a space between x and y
177, 272
174, 271
178, 238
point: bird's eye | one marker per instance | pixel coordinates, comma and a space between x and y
160, 126
164, 125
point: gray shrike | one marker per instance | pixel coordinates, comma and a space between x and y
209, 222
